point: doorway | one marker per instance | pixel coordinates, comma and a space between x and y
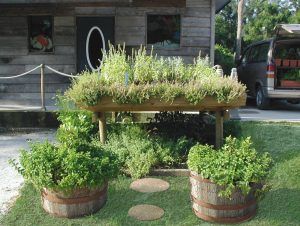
93, 36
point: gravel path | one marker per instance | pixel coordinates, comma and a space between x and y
10, 145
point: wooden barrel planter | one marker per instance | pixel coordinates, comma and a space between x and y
208, 206
78, 203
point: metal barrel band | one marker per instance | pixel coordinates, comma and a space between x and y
223, 207
224, 219
85, 199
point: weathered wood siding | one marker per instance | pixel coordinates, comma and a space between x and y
130, 28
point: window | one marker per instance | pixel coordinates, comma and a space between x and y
245, 56
163, 31
259, 53
40, 34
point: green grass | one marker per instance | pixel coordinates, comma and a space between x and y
281, 205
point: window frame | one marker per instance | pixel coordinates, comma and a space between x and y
29, 33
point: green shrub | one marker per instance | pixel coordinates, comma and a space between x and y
235, 165
224, 57
138, 151
151, 77
76, 161
63, 168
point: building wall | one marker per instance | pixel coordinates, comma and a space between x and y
130, 28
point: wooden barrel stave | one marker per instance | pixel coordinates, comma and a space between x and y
79, 203
209, 206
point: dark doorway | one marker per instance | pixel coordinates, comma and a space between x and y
93, 35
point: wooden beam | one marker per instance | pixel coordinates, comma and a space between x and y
219, 129
102, 127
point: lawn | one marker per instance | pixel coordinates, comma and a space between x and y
280, 206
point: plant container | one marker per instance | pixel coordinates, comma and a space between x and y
155, 104
78, 203
208, 206
278, 62
290, 83
293, 63
285, 63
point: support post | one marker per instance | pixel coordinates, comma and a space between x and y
102, 127
43, 87
219, 129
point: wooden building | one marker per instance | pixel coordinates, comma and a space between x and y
69, 34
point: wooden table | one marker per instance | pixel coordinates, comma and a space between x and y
180, 104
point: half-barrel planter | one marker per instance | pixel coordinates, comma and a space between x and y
78, 203
208, 206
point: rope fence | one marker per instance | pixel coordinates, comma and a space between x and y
37, 67
42, 73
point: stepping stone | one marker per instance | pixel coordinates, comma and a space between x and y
149, 185
146, 212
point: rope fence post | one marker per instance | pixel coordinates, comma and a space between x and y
43, 87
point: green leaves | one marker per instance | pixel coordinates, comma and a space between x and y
235, 165
64, 168
138, 152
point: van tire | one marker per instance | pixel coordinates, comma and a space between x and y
262, 102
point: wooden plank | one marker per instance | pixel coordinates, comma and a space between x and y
195, 22
64, 21
36, 9
35, 79
12, 51
195, 32
219, 129
64, 40
141, 11
13, 41
159, 3
7, 69
32, 87
130, 21
186, 51
197, 3
195, 41
37, 59
130, 40
179, 104
95, 10
197, 12
64, 30
102, 127
121, 30
64, 50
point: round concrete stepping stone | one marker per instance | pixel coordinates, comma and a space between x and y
149, 185
146, 212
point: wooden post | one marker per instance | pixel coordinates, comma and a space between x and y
102, 127
219, 129
43, 87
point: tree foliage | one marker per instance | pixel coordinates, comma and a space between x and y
260, 18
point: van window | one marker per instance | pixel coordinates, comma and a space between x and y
259, 53
245, 56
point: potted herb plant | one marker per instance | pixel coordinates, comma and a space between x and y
225, 183
72, 175
291, 78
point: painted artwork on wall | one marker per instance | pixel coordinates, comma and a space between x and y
163, 31
41, 34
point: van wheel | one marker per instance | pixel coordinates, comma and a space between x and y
262, 102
